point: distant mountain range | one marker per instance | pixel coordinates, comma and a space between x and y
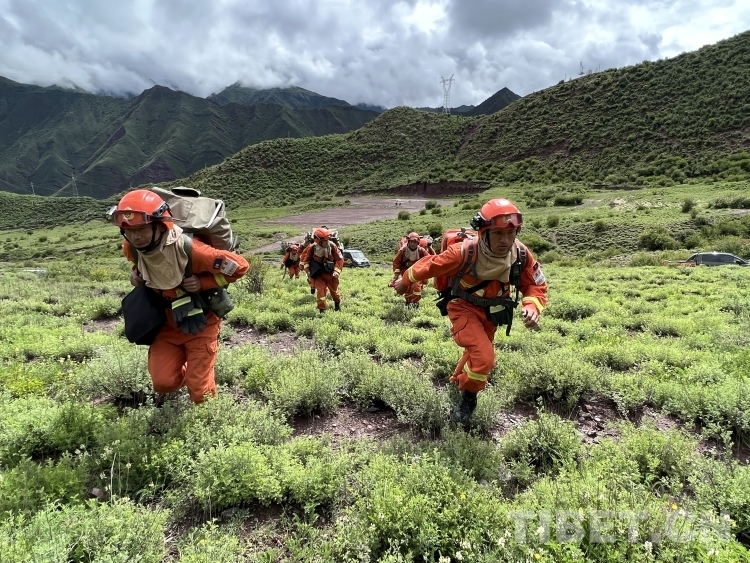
49, 136
65, 141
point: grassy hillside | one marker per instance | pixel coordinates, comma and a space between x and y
389, 151
47, 135
292, 97
657, 123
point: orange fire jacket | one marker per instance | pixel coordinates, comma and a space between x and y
533, 283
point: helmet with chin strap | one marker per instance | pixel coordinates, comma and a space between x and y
139, 208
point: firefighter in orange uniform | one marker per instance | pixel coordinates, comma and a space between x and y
185, 349
290, 261
322, 262
407, 256
426, 243
484, 300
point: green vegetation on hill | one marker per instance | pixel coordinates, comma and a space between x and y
48, 135
657, 123
389, 151
292, 97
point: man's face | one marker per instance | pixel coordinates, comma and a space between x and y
140, 237
413, 244
323, 243
501, 240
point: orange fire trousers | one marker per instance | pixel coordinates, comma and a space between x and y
293, 271
474, 333
326, 282
413, 292
177, 360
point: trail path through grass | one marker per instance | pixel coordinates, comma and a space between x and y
361, 210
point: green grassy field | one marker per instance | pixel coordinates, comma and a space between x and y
330, 438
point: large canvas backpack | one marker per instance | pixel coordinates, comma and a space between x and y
451, 237
203, 217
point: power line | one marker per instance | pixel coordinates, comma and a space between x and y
34, 188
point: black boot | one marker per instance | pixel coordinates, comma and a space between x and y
465, 408
312, 291
336, 306
321, 311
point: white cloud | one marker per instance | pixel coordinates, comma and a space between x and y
380, 51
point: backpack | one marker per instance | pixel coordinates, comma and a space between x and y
450, 237
201, 216
335, 240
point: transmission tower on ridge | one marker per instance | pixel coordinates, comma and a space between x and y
446, 94
75, 188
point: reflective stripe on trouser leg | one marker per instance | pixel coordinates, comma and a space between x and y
320, 290
473, 332
332, 283
413, 292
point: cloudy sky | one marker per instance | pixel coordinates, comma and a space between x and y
377, 51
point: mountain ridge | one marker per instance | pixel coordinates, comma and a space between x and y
49, 135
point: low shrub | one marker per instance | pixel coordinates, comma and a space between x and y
540, 447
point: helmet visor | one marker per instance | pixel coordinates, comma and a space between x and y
128, 218
509, 221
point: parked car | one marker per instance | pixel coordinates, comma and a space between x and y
712, 259
355, 258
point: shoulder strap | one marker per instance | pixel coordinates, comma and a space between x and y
469, 254
522, 254
188, 246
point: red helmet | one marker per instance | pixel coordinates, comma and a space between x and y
321, 233
498, 214
293, 247
413, 236
423, 242
140, 207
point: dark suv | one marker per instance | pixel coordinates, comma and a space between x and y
355, 258
715, 259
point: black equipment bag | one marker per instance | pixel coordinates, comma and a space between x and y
144, 314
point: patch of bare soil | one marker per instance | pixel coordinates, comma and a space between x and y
507, 421
281, 342
348, 422
104, 325
591, 418
361, 210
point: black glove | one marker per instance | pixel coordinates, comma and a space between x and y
187, 312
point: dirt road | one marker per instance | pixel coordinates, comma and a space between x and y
361, 210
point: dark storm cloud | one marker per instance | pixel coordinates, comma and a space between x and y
379, 51
493, 18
